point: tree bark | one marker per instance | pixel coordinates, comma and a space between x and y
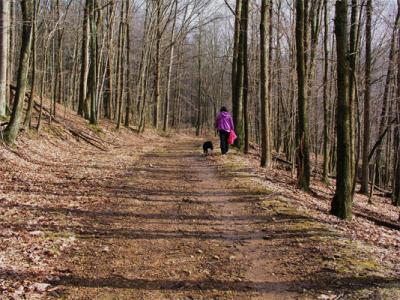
169, 72
266, 155
237, 71
396, 173
326, 99
28, 115
92, 93
12, 129
342, 201
367, 99
246, 121
384, 111
157, 68
4, 51
84, 62
303, 159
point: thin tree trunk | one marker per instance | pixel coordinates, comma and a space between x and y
92, 93
84, 62
157, 68
246, 121
303, 159
120, 67
43, 80
199, 92
326, 99
237, 71
128, 73
4, 52
27, 121
367, 99
383, 118
396, 173
169, 72
12, 129
266, 155
353, 54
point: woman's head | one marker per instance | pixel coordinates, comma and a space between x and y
223, 108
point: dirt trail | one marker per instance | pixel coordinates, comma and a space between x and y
175, 225
173, 228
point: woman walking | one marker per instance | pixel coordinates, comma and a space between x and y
224, 125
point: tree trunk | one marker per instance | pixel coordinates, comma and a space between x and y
128, 73
120, 70
27, 121
367, 99
266, 155
4, 51
342, 201
326, 99
303, 159
237, 71
199, 92
384, 111
246, 121
353, 54
169, 72
11, 132
84, 62
238, 13
93, 62
109, 90
157, 69
396, 173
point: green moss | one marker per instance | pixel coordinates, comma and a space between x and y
96, 129
32, 134
56, 131
4, 118
304, 225
62, 234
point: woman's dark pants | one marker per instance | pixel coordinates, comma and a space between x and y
224, 135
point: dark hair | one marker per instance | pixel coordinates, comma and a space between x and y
223, 108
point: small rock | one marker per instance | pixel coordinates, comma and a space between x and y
199, 251
216, 257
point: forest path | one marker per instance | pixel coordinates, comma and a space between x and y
176, 225
172, 228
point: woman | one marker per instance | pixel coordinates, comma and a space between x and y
224, 125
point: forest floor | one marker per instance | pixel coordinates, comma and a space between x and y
150, 217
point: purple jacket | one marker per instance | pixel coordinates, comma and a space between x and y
224, 122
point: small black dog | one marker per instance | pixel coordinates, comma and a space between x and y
208, 148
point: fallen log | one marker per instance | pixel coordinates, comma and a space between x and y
377, 221
88, 139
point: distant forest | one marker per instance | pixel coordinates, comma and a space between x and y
314, 84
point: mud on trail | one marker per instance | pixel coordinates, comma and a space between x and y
177, 225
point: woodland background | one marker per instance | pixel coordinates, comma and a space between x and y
314, 83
